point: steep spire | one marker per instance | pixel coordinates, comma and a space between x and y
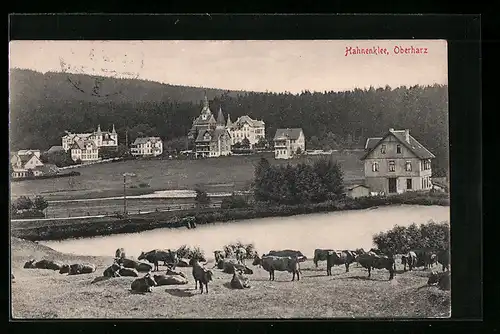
229, 123
220, 118
206, 106
99, 128
113, 131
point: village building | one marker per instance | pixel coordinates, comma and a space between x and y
246, 127
206, 121
100, 138
147, 146
289, 143
214, 142
26, 163
357, 190
84, 151
396, 163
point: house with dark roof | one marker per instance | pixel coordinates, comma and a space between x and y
100, 138
147, 147
84, 150
288, 143
25, 163
396, 163
205, 121
246, 127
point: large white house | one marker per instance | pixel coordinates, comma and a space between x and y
84, 150
25, 161
245, 127
100, 138
288, 143
147, 146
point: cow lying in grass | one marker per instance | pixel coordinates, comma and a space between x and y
169, 279
333, 258
143, 284
373, 261
201, 275
133, 264
442, 280
239, 281
229, 266
78, 269
43, 264
112, 271
276, 263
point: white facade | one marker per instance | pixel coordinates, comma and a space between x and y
85, 151
287, 142
100, 138
149, 146
245, 127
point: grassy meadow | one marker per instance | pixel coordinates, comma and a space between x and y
38, 293
215, 175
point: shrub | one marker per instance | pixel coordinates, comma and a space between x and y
201, 196
40, 203
234, 202
400, 239
187, 252
231, 248
143, 185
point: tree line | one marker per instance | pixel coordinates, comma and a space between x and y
330, 120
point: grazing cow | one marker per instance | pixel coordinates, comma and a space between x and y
239, 281
333, 258
201, 275
241, 254
168, 257
442, 280
374, 261
275, 263
219, 255
77, 269
120, 253
43, 264
320, 255
425, 257
443, 258
143, 284
229, 266
170, 279
128, 272
112, 271
288, 253
409, 259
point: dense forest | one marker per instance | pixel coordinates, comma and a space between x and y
43, 106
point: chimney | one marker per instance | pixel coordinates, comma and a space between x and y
407, 135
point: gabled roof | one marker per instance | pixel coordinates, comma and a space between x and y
413, 145
356, 186
220, 118
80, 144
372, 142
27, 152
289, 133
201, 136
144, 140
214, 135
25, 157
55, 149
246, 119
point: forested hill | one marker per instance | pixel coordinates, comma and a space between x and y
43, 106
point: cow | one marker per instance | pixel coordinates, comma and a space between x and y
137, 265
425, 257
443, 258
442, 280
128, 272
409, 259
170, 272
201, 275
219, 255
241, 254
77, 269
374, 261
183, 263
275, 263
143, 284
170, 279
43, 264
168, 257
333, 258
229, 266
320, 255
376, 251
239, 281
288, 253
64, 269
120, 253
112, 271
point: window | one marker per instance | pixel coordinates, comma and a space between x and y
398, 149
382, 149
408, 166
375, 167
408, 184
427, 164
392, 166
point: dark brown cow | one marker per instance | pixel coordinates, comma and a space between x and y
409, 259
133, 264
143, 284
442, 280
288, 253
443, 258
239, 281
370, 260
128, 272
201, 275
275, 263
344, 257
320, 255
229, 266
43, 264
169, 257
112, 271
78, 269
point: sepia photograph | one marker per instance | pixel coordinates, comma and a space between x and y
218, 179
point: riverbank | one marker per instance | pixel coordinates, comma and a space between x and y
81, 228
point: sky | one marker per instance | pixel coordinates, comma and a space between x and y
275, 66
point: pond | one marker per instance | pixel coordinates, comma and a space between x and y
339, 230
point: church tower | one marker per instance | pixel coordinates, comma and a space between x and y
221, 123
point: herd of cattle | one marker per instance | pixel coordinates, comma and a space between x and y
234, 263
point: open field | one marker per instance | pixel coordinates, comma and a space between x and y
48, 294
216, 175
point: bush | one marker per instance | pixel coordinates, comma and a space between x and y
201, 197
400, 239
231, 248
187, 252
234, 202
143, 185
28, 214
